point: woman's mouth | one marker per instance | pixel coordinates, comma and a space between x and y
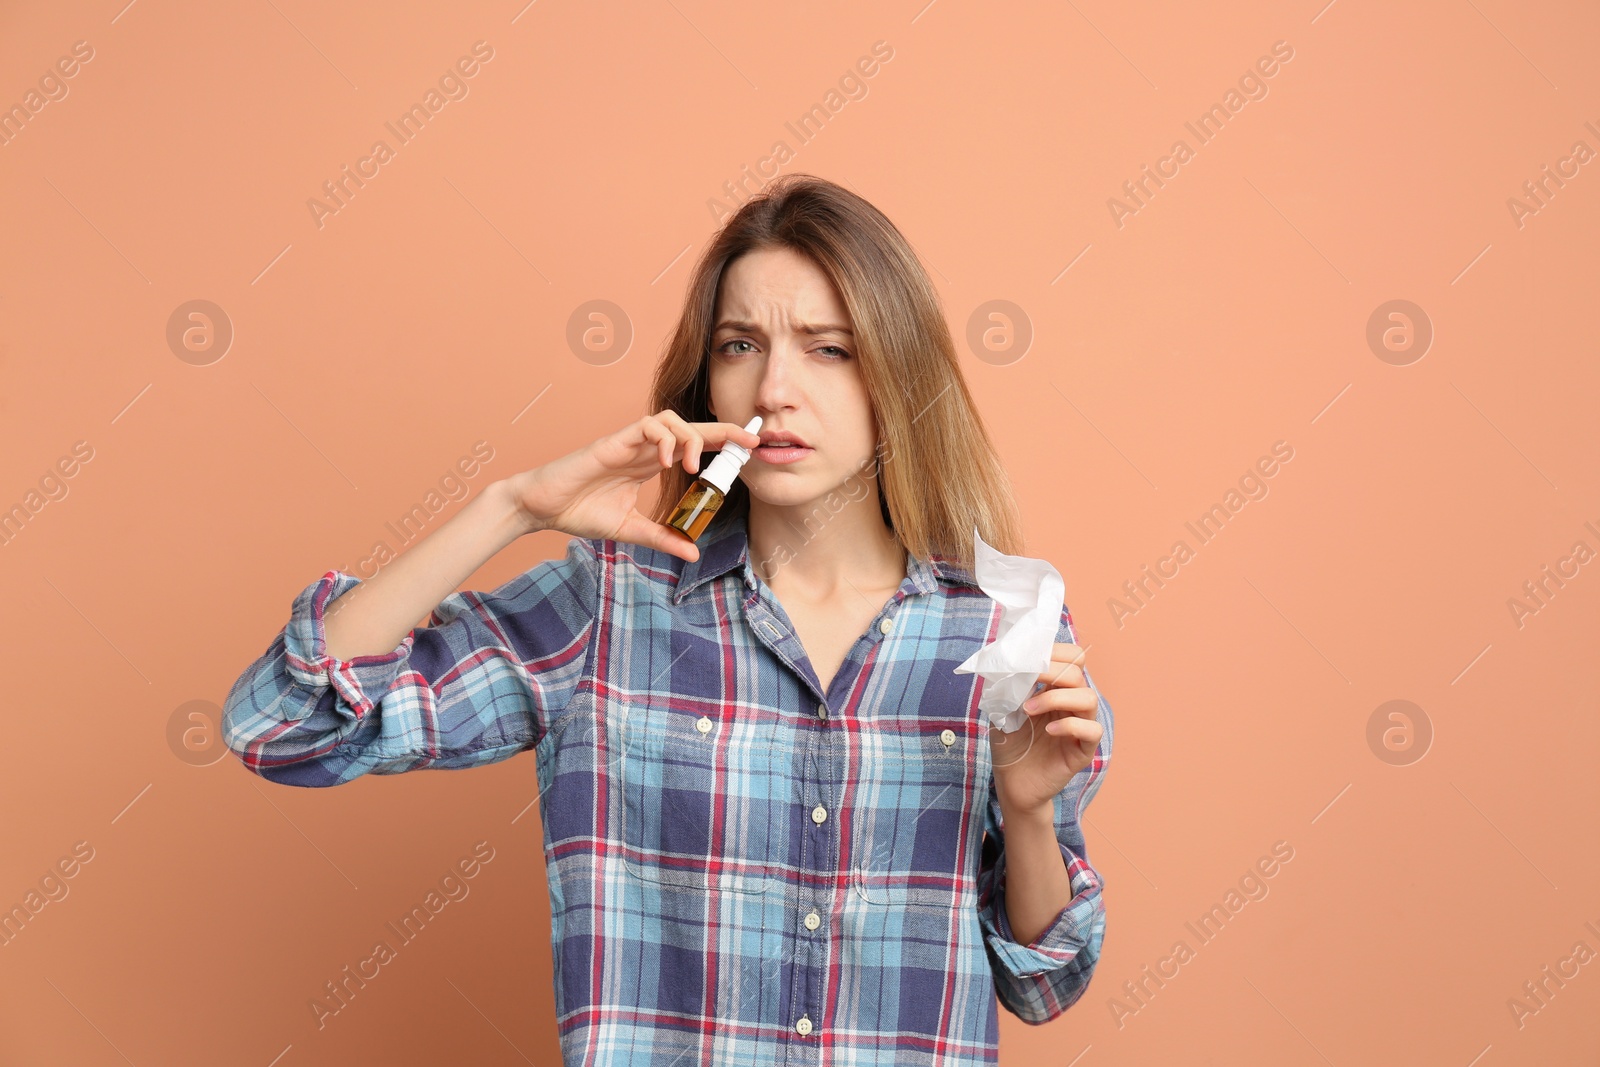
783, 452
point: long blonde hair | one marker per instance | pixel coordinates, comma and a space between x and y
937, 470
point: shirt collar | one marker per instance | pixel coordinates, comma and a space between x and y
728, 547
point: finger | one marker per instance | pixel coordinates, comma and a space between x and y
1066, 652
1063, 657
716, 433
1084, 731
662, 437
745, 437
686, 434
639, 530
1060, 674
1078, 702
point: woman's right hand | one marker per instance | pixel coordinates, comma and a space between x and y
593, 492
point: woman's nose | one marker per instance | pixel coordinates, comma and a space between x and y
778, 388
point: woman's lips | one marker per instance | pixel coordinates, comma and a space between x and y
781, 453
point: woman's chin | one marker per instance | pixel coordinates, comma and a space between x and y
785, 491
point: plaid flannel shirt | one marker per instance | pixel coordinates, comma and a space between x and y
743, 868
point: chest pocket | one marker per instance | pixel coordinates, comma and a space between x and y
918, 812
705, 799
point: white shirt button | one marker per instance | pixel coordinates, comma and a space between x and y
886, 625
803, 1027
819, 813
948, 737
703, 724
822, 711
813, 921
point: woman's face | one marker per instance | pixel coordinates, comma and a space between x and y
782, 348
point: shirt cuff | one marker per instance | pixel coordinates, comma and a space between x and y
306, 648
1060, 942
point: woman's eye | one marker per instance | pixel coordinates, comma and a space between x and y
727, 349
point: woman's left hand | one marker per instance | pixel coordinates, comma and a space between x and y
1036, 761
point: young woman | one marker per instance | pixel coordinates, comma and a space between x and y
776, 828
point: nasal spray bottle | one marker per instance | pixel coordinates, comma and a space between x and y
695, 511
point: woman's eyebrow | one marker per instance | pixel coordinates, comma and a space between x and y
800, 327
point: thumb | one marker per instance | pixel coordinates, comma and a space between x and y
639, 530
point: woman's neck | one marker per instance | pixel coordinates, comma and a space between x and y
816, 552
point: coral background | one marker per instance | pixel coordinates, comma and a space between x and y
1134, 364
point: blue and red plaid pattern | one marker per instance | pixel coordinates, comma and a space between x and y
743, 868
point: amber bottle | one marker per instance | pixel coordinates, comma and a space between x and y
699, 504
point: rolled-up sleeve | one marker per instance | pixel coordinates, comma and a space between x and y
1040, 980
480, 682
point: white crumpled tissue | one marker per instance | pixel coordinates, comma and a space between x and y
1031, 594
